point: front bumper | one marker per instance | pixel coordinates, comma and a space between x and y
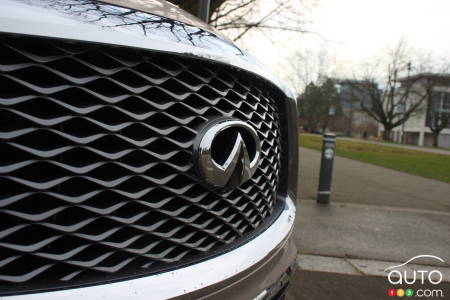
247, 272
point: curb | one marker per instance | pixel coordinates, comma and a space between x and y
362, 267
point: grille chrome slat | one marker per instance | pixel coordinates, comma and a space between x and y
97, 173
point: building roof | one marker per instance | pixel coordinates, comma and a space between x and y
445, 78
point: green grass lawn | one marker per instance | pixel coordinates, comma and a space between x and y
431, 165
428, 147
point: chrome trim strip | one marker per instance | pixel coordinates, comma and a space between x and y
185, 280
20, 17
261, 296
277, 286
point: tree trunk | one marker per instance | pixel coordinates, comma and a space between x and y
435, 139
387, 134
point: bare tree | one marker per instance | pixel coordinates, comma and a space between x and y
238, 17
437, 101
439, 117
309, 65
399, 96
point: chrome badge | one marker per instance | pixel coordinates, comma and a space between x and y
227, 153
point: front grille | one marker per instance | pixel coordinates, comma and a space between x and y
96, 172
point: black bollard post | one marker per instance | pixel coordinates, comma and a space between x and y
326, 168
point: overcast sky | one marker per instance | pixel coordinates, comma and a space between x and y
352, 31
362, 26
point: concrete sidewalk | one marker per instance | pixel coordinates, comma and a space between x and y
358, 182
371, 232
377, 218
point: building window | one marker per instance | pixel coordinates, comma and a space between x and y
440, 108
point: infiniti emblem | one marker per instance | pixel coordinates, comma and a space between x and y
227, 153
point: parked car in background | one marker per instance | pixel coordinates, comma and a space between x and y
144, 156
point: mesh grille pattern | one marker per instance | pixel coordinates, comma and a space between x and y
96, 168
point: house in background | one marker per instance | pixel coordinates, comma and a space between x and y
354, 121
416, 130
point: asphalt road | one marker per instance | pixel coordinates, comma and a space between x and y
332, 286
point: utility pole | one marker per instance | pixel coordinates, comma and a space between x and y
441, 109
203, 10
402, 138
